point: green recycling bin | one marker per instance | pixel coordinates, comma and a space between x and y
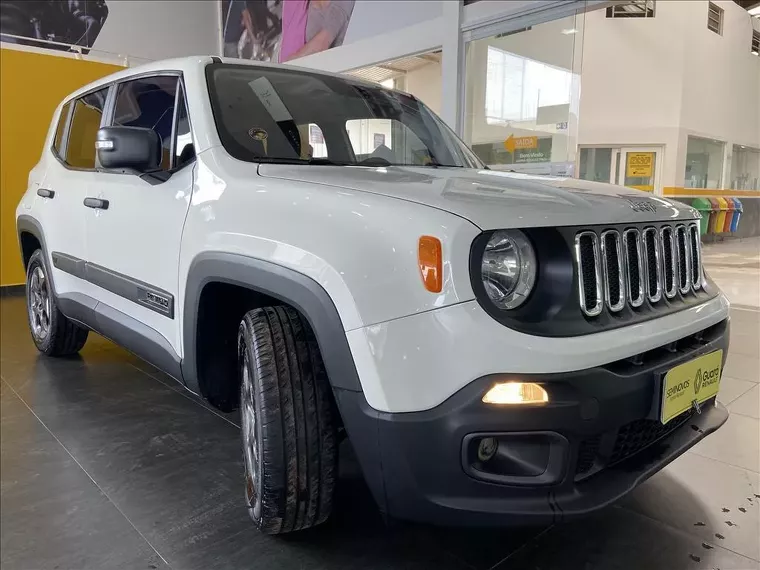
704, 207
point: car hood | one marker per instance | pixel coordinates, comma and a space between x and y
491, 199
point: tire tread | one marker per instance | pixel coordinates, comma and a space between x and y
299, 452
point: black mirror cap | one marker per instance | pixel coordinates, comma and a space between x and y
133, 148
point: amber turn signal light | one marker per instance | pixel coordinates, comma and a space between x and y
430, 261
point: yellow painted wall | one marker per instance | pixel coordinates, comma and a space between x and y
31, 86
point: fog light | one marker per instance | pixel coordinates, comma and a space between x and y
487, 448
516, 393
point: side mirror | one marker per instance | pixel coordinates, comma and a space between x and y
134, 148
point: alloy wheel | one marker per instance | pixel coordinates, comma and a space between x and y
251, 444
39, 303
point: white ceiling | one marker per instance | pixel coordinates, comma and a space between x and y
390, 69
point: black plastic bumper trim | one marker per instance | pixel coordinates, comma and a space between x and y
413, 462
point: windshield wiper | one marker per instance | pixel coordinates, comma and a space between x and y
324, 161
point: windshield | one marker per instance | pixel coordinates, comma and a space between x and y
279, 115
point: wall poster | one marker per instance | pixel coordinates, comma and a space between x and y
281, 30
35, 23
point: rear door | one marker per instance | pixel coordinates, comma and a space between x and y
135, 227
61, 194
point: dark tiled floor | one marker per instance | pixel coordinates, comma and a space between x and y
107, 463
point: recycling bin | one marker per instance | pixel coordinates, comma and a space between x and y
729, 214
738, 209
720, 218
704, 207
713, 215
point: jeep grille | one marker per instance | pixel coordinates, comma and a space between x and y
656, 262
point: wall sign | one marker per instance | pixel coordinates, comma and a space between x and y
639, 165
517, 143
528, 156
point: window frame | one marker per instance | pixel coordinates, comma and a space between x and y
712, 7
180, 88
723, 163
175, 122
109, 108
69, 119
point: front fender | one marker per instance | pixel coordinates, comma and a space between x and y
361, 248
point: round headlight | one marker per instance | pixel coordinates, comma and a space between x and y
508, 269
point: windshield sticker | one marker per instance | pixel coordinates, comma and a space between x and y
258, 134
268, 96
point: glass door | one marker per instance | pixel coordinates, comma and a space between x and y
640, 168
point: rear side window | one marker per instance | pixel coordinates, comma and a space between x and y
61, 129
88, 112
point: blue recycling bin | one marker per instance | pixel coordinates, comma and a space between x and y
738, 209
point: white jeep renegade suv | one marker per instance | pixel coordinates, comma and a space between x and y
327, 255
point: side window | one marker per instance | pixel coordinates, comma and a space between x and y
149, 103
88, 111
61, 128
184, 150
388, 139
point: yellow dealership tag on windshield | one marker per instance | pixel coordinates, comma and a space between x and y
690, 384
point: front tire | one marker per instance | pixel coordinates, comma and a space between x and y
288, 422
53, 334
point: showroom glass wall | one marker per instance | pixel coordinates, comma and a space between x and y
522, 93
704, 163
745, 168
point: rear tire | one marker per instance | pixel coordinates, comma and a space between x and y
288, 422
53, 334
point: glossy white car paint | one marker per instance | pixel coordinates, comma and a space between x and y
417, 362
139, 235
353, 230
494, 200
361, 247
61, 223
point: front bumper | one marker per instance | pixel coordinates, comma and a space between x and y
597, 439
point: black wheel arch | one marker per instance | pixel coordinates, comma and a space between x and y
30, 238
277, 282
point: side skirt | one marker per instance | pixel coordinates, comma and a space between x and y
136, 337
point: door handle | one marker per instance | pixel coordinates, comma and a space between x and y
97, 203
45, 193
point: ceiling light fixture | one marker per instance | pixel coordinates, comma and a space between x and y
569, 31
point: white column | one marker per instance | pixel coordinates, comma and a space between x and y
450, 65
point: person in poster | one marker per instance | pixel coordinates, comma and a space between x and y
252, 29
294, 15
326, 24
282, 30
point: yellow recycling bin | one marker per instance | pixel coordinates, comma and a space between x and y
720, 218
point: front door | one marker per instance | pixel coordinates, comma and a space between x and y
134, 227
639, 168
